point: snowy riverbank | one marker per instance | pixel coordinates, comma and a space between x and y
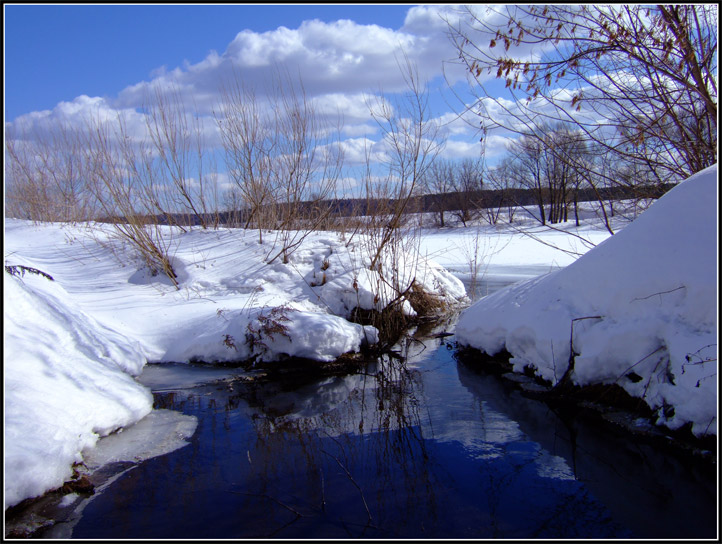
639, 310
74, 344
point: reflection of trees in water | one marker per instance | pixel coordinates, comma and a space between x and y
398, 436
355, 461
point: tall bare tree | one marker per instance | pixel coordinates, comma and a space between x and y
468, 183
523, 167
439, 181
638, 80
554, 163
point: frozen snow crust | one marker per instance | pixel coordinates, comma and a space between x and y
74, 344
640, 310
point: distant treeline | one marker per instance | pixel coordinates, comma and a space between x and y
498, 198
429, 203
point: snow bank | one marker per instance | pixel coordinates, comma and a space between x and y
640, 309
268, 334
67, 382
343, 289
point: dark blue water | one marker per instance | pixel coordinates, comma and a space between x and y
426, 447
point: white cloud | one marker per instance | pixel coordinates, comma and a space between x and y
332, 58
455, 149
496, 146
351, 107
356, 150
430, 19
454, 124
357, 130
76, 115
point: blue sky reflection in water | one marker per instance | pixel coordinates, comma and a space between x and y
425, 450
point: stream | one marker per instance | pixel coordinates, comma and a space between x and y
421, 446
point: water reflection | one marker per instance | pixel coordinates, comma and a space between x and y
417, 446
656, 495
360, 451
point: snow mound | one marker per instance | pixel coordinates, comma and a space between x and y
370, 290
267, 334
639, 310
67, 382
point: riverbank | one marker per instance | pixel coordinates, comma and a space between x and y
637, 313
609, 407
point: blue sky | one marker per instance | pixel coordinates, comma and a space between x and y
54, 53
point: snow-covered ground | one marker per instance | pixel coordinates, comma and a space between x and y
75, 344
639, 310
495, 256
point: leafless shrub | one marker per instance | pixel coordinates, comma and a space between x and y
391, 242
115, 161
177, 179
283, 159
265, 327
247, 143
412, 143
424, 303
45, 176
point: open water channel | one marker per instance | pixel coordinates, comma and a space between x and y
425, 446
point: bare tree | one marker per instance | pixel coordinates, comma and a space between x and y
306, 165
45, 176
116, 161
554, 164
638, 80
468, 183
176, 170
573, 168
233, 203
282, 156
248, 144
498, 181
523, 167
412, 144
438, 182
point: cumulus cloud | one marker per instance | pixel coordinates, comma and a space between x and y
331, 58
357, 150
77, 115
352, 106
455, 149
